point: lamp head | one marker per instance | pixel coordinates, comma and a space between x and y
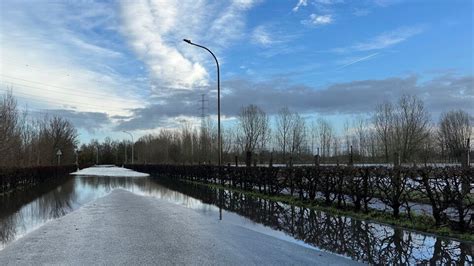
188, 41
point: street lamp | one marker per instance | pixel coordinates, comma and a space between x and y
132, 142
97, 155
219, 142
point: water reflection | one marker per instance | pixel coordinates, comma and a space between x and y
22, 212
359, 240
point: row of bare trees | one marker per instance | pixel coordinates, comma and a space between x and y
396, 132
400, 132
25, 141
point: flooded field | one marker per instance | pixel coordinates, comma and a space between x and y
359, 240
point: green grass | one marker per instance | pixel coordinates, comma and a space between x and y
418, 222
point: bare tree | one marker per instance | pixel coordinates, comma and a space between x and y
56, 134
229, 141
254, 128
361, 130
298, 135
284, 124
384, 124
402, 128
187, 142
453, 131
325, 136
10, 134
412, 126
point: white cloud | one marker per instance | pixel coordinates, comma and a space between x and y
300, 4
361, 12
50, 65
155, 30
261, 36
318, 20
385, 3
317, 3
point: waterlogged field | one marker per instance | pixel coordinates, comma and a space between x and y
359, 240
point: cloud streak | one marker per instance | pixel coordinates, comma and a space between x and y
388, 39
357, 60
382, 41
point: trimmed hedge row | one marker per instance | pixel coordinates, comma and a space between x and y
446, 189
12, 179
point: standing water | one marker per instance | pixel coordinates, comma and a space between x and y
359, 240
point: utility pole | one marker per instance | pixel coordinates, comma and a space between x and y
203, 110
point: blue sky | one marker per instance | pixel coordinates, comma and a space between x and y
121, 65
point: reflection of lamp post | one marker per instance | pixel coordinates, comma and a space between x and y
219, 142
468, 164
133, 144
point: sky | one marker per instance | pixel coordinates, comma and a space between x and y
110, 66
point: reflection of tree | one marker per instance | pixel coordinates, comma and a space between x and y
360, 240
447, 252
43, 201
396, 248
7, 229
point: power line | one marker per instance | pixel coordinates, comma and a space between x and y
55, 102
61, 92
52, 101
41, 69
53, 86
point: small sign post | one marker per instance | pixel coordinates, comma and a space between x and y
59, 153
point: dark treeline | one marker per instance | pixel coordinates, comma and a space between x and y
360, 240
16, 178
25, 141
448, 189
399, 132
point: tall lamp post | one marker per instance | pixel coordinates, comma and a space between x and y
219, 142
132, 142
97, 155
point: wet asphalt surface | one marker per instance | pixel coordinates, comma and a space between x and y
125, 228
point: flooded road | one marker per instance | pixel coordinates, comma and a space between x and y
368, 242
